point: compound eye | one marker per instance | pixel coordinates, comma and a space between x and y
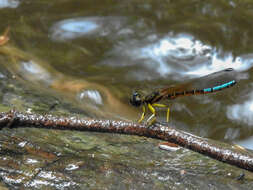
136, 99
136, 94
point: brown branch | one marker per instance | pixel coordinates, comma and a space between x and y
220, 151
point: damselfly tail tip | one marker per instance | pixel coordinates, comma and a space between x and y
229, 69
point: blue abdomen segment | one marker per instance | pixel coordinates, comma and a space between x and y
220, 87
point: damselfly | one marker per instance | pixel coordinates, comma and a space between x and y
207, 84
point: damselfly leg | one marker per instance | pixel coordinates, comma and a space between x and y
152, 118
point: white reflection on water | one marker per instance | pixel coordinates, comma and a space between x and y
175, 55
9, 3
184, 55
33, 71
181, 47
242, 112
167, 53
218, 63
73, 28
172, 54
77, 27
92, 95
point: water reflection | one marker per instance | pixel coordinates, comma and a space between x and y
73, 28
77, 27
174, 56
92, 95
222, 62
242, 112
9, 3
171, 51
34, 71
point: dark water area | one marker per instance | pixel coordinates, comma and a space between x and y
86, 58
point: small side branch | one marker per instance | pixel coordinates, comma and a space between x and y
219, 151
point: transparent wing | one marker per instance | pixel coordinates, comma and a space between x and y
208, 81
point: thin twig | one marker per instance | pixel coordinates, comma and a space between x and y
219, 151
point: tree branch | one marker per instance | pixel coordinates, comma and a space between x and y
217, 150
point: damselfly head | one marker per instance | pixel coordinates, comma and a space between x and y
136, 99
